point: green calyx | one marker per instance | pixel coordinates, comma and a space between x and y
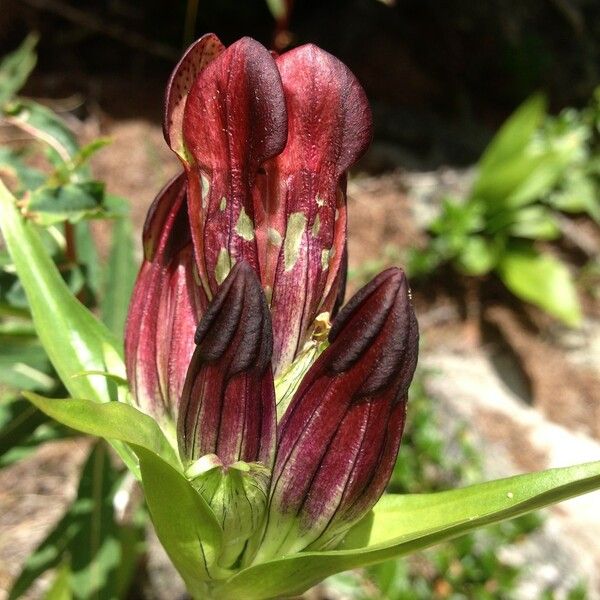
237, 494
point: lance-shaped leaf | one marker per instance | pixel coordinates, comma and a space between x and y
165, 306
194, 60
339, 438
399, 525
234, 120
75, 341
303, 228
228, 401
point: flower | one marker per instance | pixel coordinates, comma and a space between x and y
287, 429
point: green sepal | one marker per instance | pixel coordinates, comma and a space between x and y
237, 494
400, 524
184, 523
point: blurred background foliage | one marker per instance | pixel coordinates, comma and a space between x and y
506, 84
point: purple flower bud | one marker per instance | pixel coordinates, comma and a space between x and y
339, 438
228, 400
165, 307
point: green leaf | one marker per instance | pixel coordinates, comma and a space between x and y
535, 223
478, 256
18, 421
76, 167
24, 365
578, 193
400, 524
71, 202
542, 280
42, 124
111, 420
278, 8
185, 525
61, 586
87, 536
513, 136
16, 67
545, 170
26, 177
87, 255
119, 278
73, 338
45, 432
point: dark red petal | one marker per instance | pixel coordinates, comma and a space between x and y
329, 128
194, 60
339, 438
234, 120
165, 306
228, 401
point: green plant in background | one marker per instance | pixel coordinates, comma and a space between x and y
50, 178
535, 168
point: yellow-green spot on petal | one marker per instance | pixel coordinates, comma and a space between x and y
320, 201
325, 259
274, 236
245, 227
296, 226
316, 226
205, 188
223, 204
224, 265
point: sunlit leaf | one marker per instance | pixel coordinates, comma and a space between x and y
512, 137
43, 124
73, 338
402, 524
25, 177
110, 420
278, 8
536, 223
542, 280
16, 67
69, 202
61, 586
478, 255
18, 420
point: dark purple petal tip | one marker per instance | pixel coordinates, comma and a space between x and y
380, 316
238, 310
228, 399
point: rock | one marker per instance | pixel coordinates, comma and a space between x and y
514, 438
